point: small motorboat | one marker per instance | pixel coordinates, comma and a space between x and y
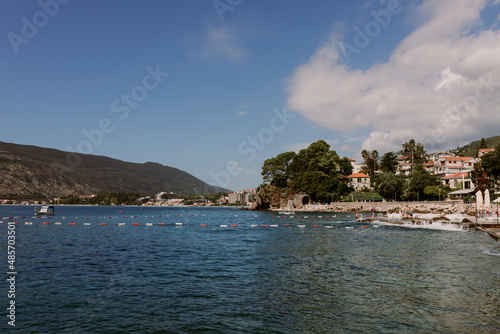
45, 210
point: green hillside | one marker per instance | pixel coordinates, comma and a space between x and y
35, 172
470, 150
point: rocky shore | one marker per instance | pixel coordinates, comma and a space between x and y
440, 208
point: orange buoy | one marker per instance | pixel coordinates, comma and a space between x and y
136, 224
314, 225
264, 225
103, 224
70, 223
161, 224
203, 225
234, 225
364, 227
287, 225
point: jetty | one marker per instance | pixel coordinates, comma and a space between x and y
492, 229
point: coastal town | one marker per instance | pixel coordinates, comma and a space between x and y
454, 173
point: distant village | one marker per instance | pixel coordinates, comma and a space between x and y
454, 171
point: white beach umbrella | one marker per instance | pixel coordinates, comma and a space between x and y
487, 199
497, 200
479, 199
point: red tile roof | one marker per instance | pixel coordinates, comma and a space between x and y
358, 175
485, 150
456, 175
457, 158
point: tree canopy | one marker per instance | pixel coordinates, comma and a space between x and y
315, 170
389, 162
491, 163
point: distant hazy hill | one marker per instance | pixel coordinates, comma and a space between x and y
471, 149
35, 172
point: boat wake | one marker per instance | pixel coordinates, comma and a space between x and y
489, 251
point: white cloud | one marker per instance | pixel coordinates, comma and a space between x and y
420, 92
241, 113
218, 43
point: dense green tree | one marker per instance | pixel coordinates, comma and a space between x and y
483, 144
315, 182
390, 186
317, 157
491, 163
345, 167
435, 193
389, 162
276, 171
418, 180
315, 170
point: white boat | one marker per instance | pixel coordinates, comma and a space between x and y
286, 213
46, 210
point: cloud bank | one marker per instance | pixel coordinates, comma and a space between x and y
440, 86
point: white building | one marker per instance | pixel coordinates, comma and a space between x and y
452, 165
454, 180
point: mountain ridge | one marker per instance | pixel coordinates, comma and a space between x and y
32, 172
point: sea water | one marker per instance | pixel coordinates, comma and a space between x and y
220, 270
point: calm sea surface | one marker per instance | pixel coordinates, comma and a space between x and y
241, 279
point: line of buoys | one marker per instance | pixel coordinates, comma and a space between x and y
202, 225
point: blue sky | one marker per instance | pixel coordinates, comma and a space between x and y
216, 87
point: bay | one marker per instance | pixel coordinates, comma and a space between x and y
260, 276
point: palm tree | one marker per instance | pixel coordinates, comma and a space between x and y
415, 151
374, 157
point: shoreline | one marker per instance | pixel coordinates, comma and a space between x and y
436, 207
